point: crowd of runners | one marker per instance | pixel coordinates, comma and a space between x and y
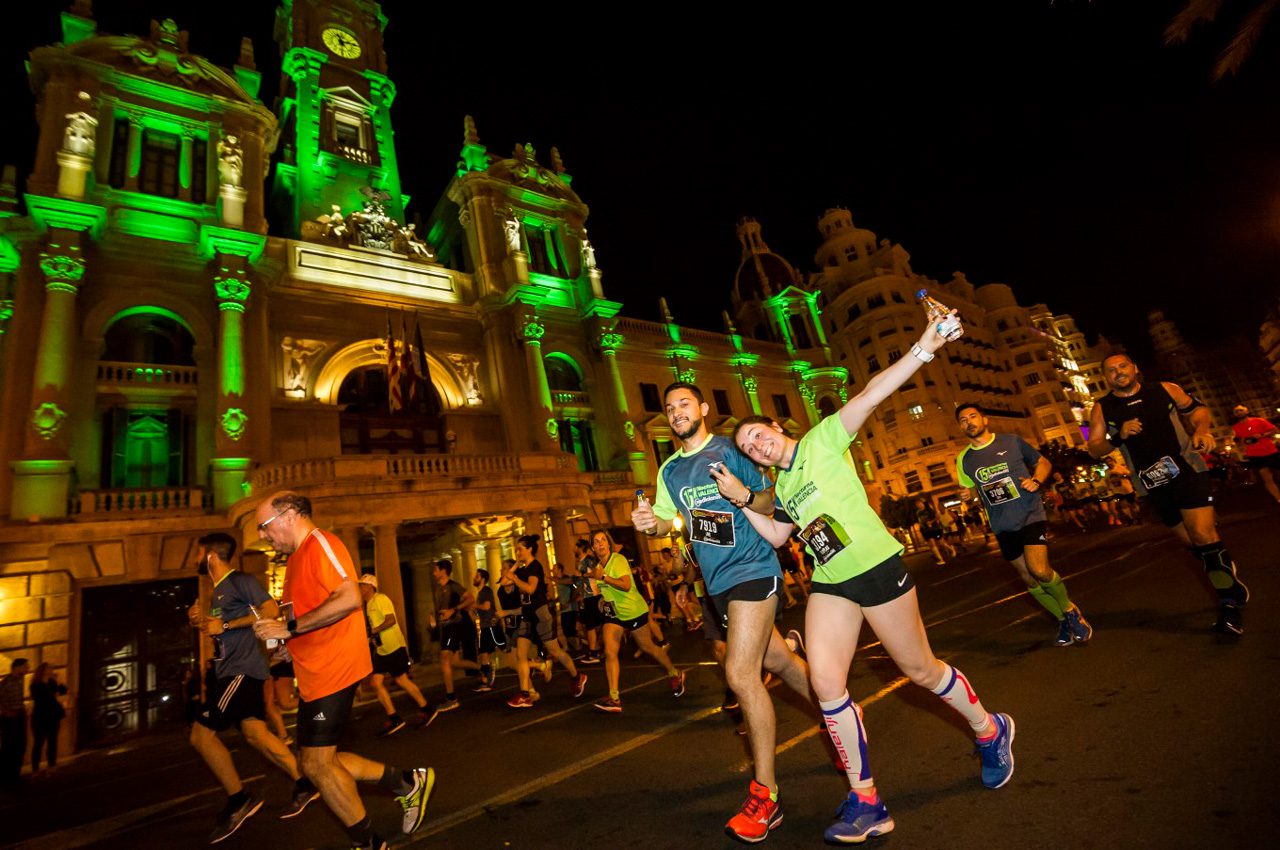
764, 519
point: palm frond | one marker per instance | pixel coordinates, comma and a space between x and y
1246, 38
1193, 14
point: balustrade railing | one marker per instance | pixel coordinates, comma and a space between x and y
134, 501
113, 372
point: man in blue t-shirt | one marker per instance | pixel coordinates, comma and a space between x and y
236, 698
1008, 475
743, 580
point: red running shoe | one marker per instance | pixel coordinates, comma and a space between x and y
579, 685
758, 817
521, 701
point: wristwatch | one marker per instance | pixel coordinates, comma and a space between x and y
920, 354
751, 494
292, 625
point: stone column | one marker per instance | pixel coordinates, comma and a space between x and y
751, 388
810, 404
466, 566
230, 463
350, 537
386, 559
609, 340
562, 538
423, 605
42, 477
134, 160
184, 164
544, 431
493, 559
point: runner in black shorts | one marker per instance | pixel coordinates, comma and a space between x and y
1148, 424
1009, 475
625, 612
537, 625
492, 637
858, 578
236, 699
457, 629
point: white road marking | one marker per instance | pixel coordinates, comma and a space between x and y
89, 833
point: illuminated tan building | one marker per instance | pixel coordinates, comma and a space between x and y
865, 291
166, 361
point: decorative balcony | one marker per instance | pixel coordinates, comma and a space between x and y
425, 467
138, 502
569, 398
147, 374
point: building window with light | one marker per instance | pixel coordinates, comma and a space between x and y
916, 411
158, 173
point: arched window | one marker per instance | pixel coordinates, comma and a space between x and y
148, 336
563, 374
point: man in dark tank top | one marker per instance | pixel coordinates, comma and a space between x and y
1161, 431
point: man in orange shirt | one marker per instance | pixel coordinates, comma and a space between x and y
326, 637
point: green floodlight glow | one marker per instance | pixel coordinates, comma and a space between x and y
150, 225
148, 310
225, 240
49, 212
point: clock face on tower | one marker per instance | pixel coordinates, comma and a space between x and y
341, 42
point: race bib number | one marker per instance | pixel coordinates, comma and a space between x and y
825, 538
715, 528
1159, 473
1000, 491
608, 610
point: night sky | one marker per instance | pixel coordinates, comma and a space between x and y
1060, 148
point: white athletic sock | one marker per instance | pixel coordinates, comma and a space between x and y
956, 692
844, 724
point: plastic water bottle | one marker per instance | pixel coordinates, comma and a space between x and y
949, 326
642, 501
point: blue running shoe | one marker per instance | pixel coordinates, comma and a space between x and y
1081, 631
857, 821
1064, 633
997, 754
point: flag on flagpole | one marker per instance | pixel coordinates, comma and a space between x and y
407, 368
424, 369
395, 401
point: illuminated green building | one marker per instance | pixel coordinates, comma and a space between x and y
165, 359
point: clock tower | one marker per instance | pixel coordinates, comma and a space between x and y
336, 145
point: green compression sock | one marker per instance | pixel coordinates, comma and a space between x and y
1045, 598
1058, 591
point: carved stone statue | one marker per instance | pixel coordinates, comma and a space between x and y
511, 225
335, 225
406, 241
81, 129
588, 253
230, 162
468, 370
298, 353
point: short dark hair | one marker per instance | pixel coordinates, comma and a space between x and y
1117, 352
221, 544
18, 662
483, 573
582, 545
683, 385
968, 405
300, 504
445, 565
530, 542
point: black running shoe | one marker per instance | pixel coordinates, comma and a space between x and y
1230, 620
301, 799
232, 819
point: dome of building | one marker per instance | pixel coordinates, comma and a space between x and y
762, 273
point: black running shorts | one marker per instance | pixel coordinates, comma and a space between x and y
493, 639
569, 623
589, 613
1013, 542
884, 582
320, 723
458, 637
1189, 490
282, 670
232, 702
394, 664
755, 590
1271, 461
630, 625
